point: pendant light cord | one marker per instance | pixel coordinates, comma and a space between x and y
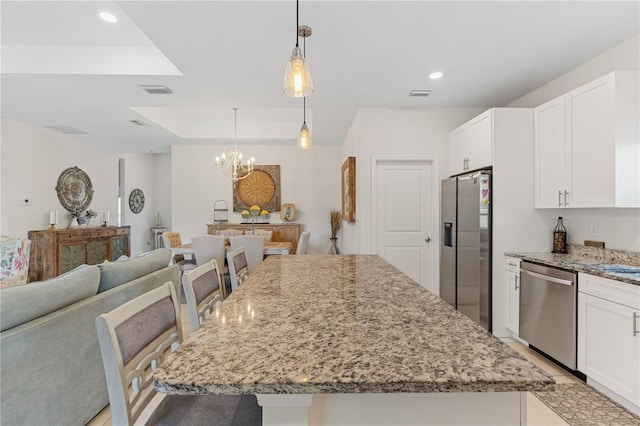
297, 23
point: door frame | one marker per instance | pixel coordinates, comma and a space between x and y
435, 206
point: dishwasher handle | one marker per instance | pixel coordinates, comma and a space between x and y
547, 278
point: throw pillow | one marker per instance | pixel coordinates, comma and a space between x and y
7, 247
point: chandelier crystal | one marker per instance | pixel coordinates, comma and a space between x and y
231, 164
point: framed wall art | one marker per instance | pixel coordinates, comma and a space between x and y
261, 188
349, 190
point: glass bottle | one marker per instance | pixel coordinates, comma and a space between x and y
559, 238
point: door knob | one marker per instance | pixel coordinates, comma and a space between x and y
426, 240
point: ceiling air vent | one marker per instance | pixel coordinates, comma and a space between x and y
156, 89
420, 92
138, 122
67, 130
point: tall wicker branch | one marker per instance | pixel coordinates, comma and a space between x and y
335, 218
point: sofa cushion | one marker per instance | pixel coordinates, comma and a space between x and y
113, 274
24, 303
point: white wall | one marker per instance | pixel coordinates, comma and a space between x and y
308, 178
34, 157
619, 228
394, 132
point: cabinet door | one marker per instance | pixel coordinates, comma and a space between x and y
71, 256
591, 120
456, 150
96, 251
513, 291
549, 155
119, 247
479, 141
608, 351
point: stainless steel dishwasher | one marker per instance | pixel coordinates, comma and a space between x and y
548, 303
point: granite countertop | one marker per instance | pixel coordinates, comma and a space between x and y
586, 259
341, 324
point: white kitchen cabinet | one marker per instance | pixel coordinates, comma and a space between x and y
609, 337
587, 150
471, 144
512, 267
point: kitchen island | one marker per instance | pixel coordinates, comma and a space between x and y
351, 340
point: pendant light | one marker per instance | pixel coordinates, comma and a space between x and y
297, 76
304, 137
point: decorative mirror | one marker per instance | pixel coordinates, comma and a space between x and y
74, 189
288, 212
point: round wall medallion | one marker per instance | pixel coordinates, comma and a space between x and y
74, 189
136, 201
260, 188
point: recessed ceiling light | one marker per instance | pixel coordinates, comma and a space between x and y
435, 75
108, 17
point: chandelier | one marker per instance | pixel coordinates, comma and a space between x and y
231, 164
297, 75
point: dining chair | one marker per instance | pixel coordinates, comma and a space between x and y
203, 290
207, 247
264, 233
253, 247
134, 339
303, 242
238, 270
228, 233
172, 239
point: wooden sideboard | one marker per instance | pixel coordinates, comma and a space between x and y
286, 232
54, 252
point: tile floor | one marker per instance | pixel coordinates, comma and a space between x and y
538, 414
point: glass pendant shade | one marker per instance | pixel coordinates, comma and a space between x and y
304, 137
297, 76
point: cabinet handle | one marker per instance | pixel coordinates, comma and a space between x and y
635, 324
517, 279
559, 198
511, 264
565, 198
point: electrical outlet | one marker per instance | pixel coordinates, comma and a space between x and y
595, 230
25, 202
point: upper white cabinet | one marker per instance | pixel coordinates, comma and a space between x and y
472, 144
587, 151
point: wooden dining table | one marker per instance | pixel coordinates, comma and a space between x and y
270, 248
351, 340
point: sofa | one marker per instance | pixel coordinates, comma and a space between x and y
51, 370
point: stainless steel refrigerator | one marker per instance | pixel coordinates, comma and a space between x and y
465, 252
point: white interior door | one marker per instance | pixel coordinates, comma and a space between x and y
404, 199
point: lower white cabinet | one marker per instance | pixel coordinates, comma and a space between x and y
609, 337
512, 266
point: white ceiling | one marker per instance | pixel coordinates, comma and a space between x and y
63, 66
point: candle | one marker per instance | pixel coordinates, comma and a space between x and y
158, 219
52, 216
105, 216
56, 222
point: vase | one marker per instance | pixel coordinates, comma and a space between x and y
333, 247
